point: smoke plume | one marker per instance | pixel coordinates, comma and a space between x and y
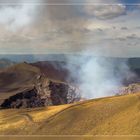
99, 76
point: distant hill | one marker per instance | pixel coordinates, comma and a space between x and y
19, 58
33, 57
57, 70
61, 70
4, 63
10, 59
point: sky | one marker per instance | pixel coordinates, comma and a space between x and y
103, 27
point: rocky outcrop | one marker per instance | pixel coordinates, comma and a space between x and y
44, 93
130, 89
25, 99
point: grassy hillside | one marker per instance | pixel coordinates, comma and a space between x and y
118, 115
17, 75
16, 78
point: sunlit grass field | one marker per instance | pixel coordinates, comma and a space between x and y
118, 115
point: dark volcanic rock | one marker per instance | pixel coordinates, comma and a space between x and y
26, 99
44, 93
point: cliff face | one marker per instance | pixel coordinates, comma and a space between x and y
25, 86
44, 93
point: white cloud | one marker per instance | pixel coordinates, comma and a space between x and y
58, 30
103, 10
16, 17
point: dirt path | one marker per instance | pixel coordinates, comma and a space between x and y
27, 117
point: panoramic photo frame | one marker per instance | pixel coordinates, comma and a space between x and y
69, 69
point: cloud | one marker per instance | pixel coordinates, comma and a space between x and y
107, 10
70, 28
14, 17
124, 28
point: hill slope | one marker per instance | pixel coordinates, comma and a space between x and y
24, 86
16, 75
56, 70
17, 78
119, 115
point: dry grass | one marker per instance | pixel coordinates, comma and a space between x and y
106, 116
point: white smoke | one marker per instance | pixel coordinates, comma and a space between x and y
98, 76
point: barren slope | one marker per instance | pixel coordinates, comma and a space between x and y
119, 115
17, 78
24, 85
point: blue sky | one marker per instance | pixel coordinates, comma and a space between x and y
130, 4
130, 1
108, 30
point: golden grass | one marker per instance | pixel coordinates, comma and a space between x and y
119, 115
43, 114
